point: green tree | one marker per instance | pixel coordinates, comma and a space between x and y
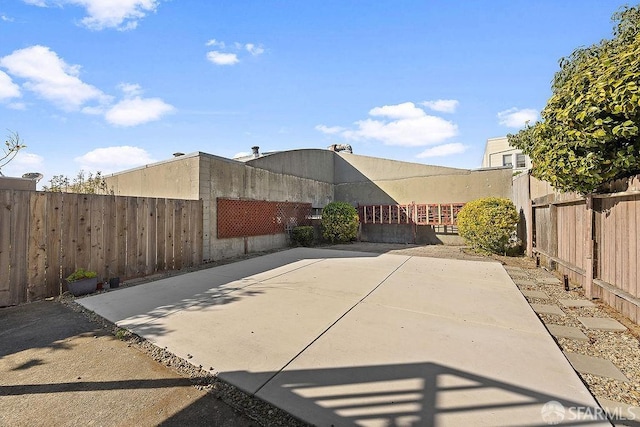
87, 184
10, 150
487, 224
589, 130
339, 222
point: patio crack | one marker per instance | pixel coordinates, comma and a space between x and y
331, 326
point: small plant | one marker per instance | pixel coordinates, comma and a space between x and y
488, 224
339, 222
81, 274
121, 334
303, 235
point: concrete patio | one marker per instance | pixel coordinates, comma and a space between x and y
349, 338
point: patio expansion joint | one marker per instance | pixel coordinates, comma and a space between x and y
330, 326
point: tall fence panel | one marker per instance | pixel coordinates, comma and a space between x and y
45, 236
593, 241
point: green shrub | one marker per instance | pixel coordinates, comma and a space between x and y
81, 274
488, 224
339, 222
303, 235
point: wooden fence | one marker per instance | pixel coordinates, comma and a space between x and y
44, 237
593, 240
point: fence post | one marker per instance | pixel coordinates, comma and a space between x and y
588, 241
530, 219
553, 231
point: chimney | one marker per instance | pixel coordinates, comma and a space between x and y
256, 151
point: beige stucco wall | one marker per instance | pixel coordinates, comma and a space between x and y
309, 163
11, 183
369, 180
221, 177
176, 178
326, 176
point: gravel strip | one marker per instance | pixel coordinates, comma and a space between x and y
621, 348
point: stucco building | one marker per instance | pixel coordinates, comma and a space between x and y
498, 153
310, 176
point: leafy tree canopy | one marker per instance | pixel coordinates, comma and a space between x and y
589, 130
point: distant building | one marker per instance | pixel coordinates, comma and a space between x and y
498, 153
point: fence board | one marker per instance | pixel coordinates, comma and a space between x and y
177, 235
151, 237
54, 248
170, 233
70, 232
109, 233
6, 211
19, 247
83, 247
143, 235
161, 241
97, 261
120, 269
132, 237
37, 249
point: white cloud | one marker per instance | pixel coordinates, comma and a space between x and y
135, 111
24, 163
402, 125
6, 18
51, 77
221, 58
442, 150
39, 3
406, 110
232, 54
119, 14
8, 89
253, 49
442, 105
114, 159
517, 118
329, 130
215, 43
130, 89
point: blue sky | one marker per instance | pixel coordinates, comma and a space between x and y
113, 84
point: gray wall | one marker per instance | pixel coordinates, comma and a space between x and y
207, 177
369, 180
314, 176
312, 164
11, 183
230, 179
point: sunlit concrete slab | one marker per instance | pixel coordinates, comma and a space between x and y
388, 366
474, 291
261, 332
161, 297
356, 338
